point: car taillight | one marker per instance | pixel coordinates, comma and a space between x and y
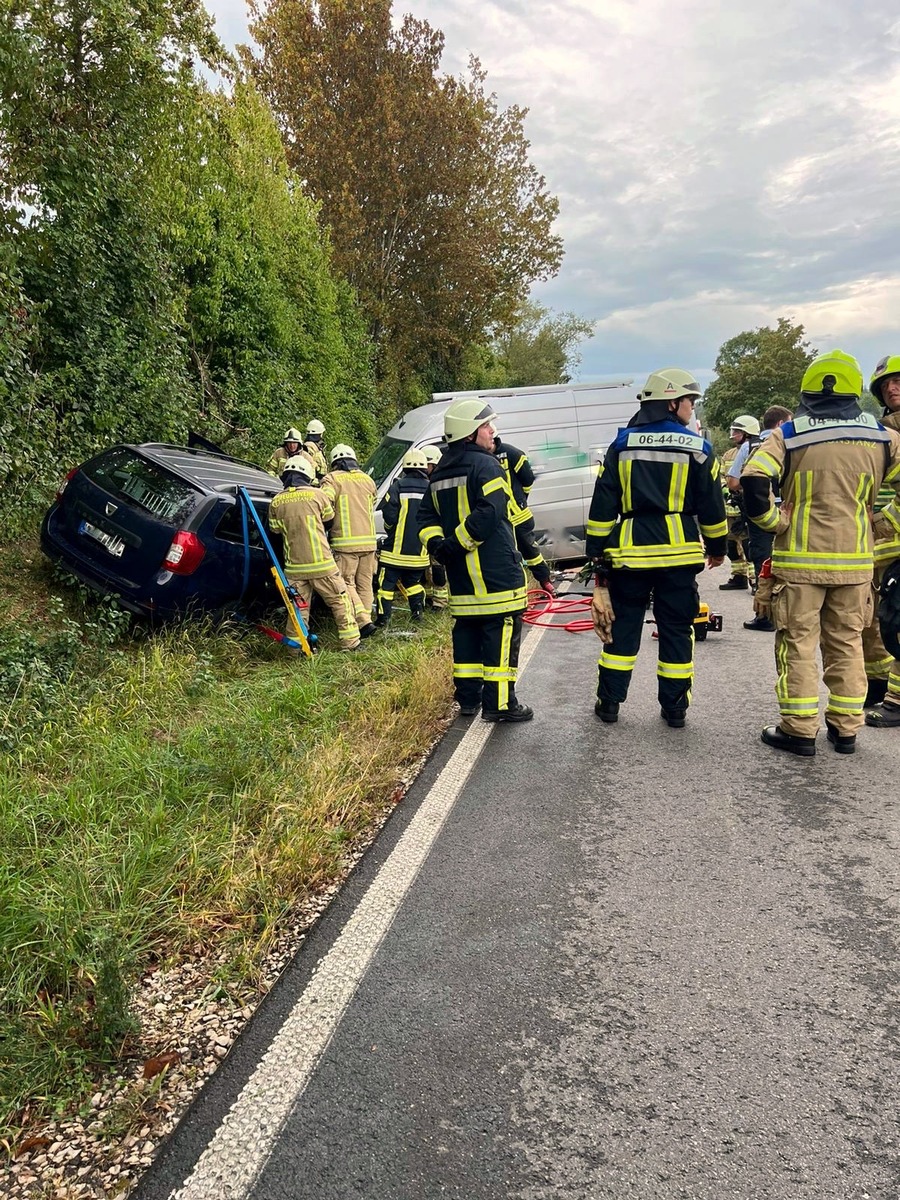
185, 553
62, 487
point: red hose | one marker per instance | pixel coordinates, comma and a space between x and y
543, 608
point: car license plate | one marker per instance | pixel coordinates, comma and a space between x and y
114, 545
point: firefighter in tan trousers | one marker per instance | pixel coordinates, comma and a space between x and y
353, 495
301, 514
829, 462
882, 669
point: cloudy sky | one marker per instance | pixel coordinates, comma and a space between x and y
717, 166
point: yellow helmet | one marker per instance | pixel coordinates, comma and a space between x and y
464, 417
671, 383
414, 460
887, 366
432, 454
833, 374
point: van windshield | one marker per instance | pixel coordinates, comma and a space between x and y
385, 457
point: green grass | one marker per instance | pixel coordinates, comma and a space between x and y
157, 791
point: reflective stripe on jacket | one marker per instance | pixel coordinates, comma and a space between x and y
299, 515
467, 503
659, 491
352, 495
400, 507
519, 479
829, 470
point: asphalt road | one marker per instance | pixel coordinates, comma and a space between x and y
636, 962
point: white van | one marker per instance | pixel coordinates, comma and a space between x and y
565, 431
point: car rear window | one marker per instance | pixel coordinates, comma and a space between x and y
144, 484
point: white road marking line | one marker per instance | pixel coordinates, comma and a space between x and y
241, 1146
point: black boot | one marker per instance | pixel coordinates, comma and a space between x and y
607, 711
515, 712
674, 717
884, 716
775, 737
737, 583
875, 693
843, 744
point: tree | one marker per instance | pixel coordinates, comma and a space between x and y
756, 369
438, 219
540, 346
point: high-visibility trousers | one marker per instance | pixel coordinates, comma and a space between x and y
809, 617
878, 663
333, 590
675, 605
486, 660
408, 580
358, 569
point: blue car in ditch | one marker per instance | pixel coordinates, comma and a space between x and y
161, 528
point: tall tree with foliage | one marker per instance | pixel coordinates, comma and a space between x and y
438, 218
541, 346
756, 369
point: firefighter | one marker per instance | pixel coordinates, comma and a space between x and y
288, 448
658, 494
302, 514
464, 523
313, 447
353, 496
882, 670
520, 481
759, 543
828, 463
437, 594
403, 558
744, 432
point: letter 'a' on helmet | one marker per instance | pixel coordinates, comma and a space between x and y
432, 455
342, 451
887, 366
299, 464
833, 374
671, 383
415, 460
465, 417
746, 424
315, 427
293, 435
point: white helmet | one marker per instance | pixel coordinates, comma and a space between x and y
746, 424
464, 417
415, 460
671, 383
315, 427
293, 435
432, 455
299, 464
342, 451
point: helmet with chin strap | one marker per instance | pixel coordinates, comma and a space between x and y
833, 374
886, 368
670, 383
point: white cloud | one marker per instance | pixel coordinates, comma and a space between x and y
718, 166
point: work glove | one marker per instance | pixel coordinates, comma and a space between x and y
445, 550
602, 614
547, 586
762, 598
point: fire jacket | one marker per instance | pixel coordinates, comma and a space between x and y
300, 516
464, 521
352, 495
313, 452
401, 507
658, 492
829, 469
519, 480
887, 543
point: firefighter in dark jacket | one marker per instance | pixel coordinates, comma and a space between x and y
464, 523
656, 497
520, 478
403, 559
